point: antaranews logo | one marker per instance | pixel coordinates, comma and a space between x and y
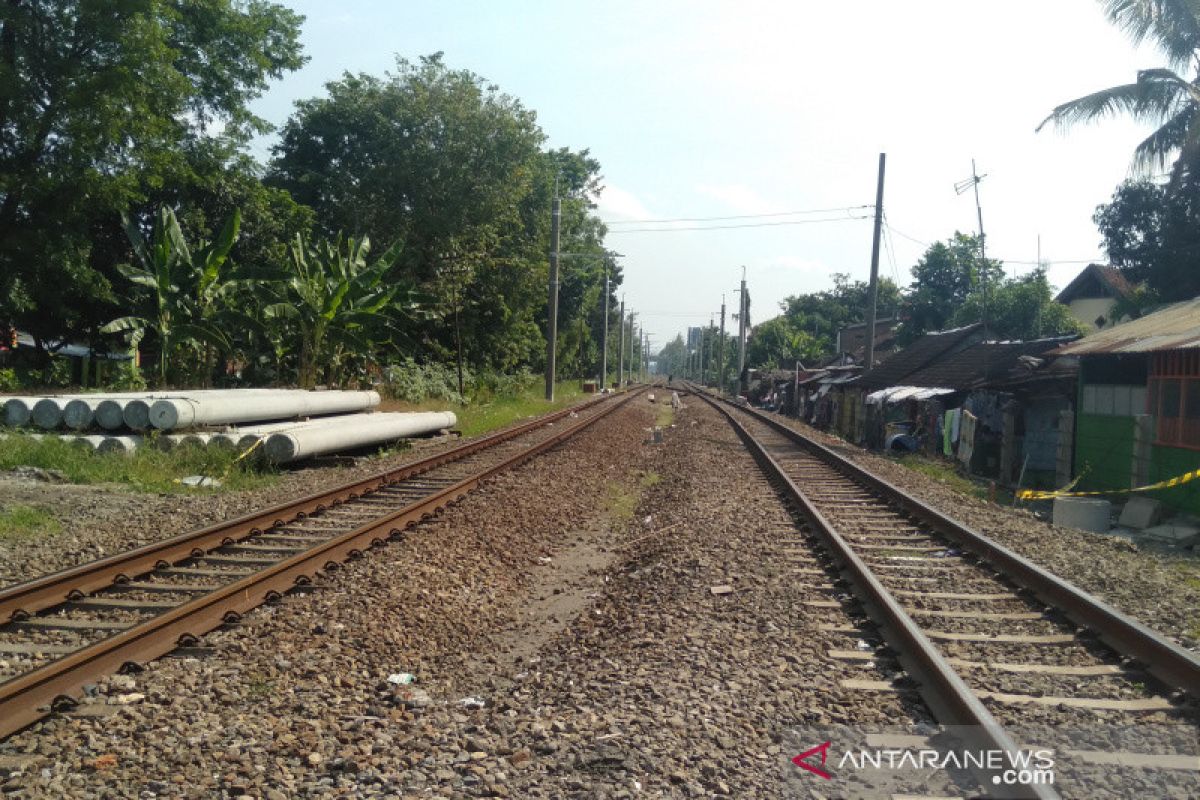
823, 749
1020, 768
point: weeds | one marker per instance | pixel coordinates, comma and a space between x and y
943, 473
477, 418
21, 521
147, 469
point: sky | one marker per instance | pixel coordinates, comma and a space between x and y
699, 109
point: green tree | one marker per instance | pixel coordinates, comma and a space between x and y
822, 314
1160, 96
945, 276
1152, 235
1021, 308
185, 289
98, 99
779, 343
336, 308
429, 156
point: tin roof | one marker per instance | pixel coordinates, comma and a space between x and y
921, 353
985, 362
1173, 328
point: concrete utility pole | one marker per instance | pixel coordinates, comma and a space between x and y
702, 332
721, 351
552, 300
604, 335
621, 348
742, 331
646, 363
873, 291
632, 348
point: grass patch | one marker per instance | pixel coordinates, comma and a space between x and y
665, 415
943, 473
478, 418
21, 521
649, 479
622, 501
147, 469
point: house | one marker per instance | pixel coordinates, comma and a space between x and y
1091, 295
1014, 394
1138, 416
852, 339
851, 420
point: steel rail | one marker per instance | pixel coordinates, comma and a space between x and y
30, 696
943, 690
1169, 662
22, 599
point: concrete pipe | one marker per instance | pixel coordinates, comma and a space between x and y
182, 412
169, 442
119, 444
314, 439
18, 410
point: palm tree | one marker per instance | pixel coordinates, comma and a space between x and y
1160, 96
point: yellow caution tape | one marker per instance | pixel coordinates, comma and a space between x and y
1178, 480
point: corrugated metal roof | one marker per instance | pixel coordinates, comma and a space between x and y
983, 362
921, 353
1175, 327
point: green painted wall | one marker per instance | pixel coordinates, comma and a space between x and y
1170, 462
1104, 446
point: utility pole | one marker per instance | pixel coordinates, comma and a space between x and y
552, 301
604, 335
632, 349
873, 291
721, 351
703, 333
742, 331
621, 347
645, 356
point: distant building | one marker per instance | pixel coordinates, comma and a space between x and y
1090, 297
693, 338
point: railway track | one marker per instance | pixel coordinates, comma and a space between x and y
65, 630
995, 646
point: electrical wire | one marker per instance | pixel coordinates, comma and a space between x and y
729, 227
735, 216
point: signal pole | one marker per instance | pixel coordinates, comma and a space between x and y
873, 292
552, 300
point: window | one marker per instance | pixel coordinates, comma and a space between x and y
1174, 398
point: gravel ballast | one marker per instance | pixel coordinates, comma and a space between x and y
570, 634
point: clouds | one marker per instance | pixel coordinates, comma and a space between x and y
614, 203
738, 198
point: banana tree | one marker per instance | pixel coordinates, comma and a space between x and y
339, 305
183, 287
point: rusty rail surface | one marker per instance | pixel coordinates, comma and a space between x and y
30, 696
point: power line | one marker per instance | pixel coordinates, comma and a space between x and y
728, 227
735, 216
